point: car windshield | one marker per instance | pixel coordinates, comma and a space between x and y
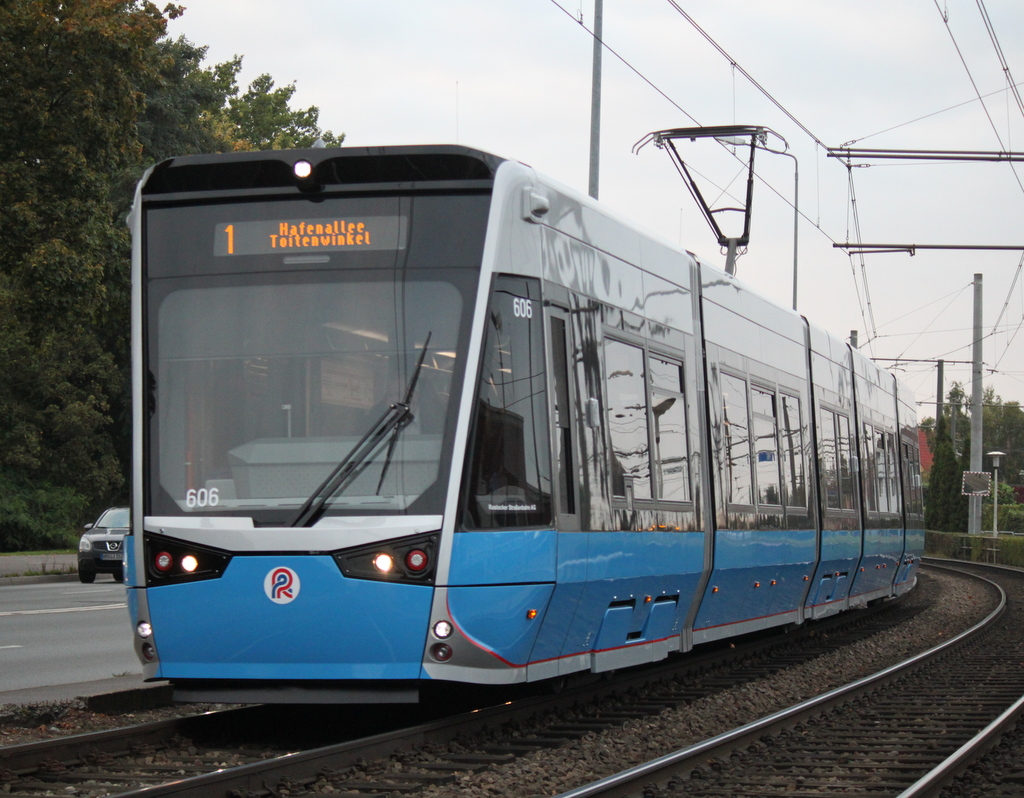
114, 517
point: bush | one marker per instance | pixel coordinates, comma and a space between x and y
40, 516
975, 548
1011, 517
948, 545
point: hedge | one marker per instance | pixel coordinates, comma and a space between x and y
1008, 549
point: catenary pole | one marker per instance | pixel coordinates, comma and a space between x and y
974, 506
595, 100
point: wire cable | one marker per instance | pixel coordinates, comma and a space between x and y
919, 119
937, 317
869, 319
999, 54
628, 65
744, 72
995, 130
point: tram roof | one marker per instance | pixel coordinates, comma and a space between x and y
330, 166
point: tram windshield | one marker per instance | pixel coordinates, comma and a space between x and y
268, 369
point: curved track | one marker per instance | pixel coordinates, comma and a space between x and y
192, 757
903, 732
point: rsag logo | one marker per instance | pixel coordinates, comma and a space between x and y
281, 585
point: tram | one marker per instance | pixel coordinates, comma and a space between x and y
419, 415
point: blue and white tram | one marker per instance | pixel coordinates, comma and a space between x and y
415, 414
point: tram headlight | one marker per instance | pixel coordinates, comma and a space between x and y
411, 560
303, 169
442, 630
172, 561
143, 629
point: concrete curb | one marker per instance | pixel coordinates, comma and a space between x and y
113, 696
10, 581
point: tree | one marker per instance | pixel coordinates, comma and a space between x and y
261, 120
191, 109
92, 92
946, 509
69, 82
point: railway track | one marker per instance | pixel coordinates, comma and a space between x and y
907, 731
207, 755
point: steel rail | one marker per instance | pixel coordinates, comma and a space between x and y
955, 764
632, 780
252, 778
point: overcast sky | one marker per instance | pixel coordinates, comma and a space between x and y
513, 77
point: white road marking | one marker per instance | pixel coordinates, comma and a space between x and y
65, 609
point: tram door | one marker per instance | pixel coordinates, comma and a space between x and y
566, 487
550, 653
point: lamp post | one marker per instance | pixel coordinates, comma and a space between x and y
995, 494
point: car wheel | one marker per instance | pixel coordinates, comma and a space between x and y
118, 575
86, 576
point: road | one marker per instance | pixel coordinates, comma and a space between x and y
64, 632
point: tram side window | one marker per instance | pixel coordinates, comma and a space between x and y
845, 451
510, 469
829, 459
870, 467
627, 419
766, 448
882, 460
894, 480
908, 491
739, 481
793, 452
915, 471
668, 411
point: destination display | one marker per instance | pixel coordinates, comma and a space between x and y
294, 236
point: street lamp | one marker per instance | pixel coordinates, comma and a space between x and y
995, 495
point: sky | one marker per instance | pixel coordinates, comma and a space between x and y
513, 77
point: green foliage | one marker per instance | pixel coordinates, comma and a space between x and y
70, 88
261, 119
946, 508
38, 515
191, 109
91, 92
1011, 517
1005, 550
1002, 429
946, 545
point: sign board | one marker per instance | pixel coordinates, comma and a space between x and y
977, 483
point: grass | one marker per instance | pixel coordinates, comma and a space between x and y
64, 569
36, 553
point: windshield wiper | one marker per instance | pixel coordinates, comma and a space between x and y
359, 457
408, 399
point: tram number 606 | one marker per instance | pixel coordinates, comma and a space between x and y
522, 308
203, 497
